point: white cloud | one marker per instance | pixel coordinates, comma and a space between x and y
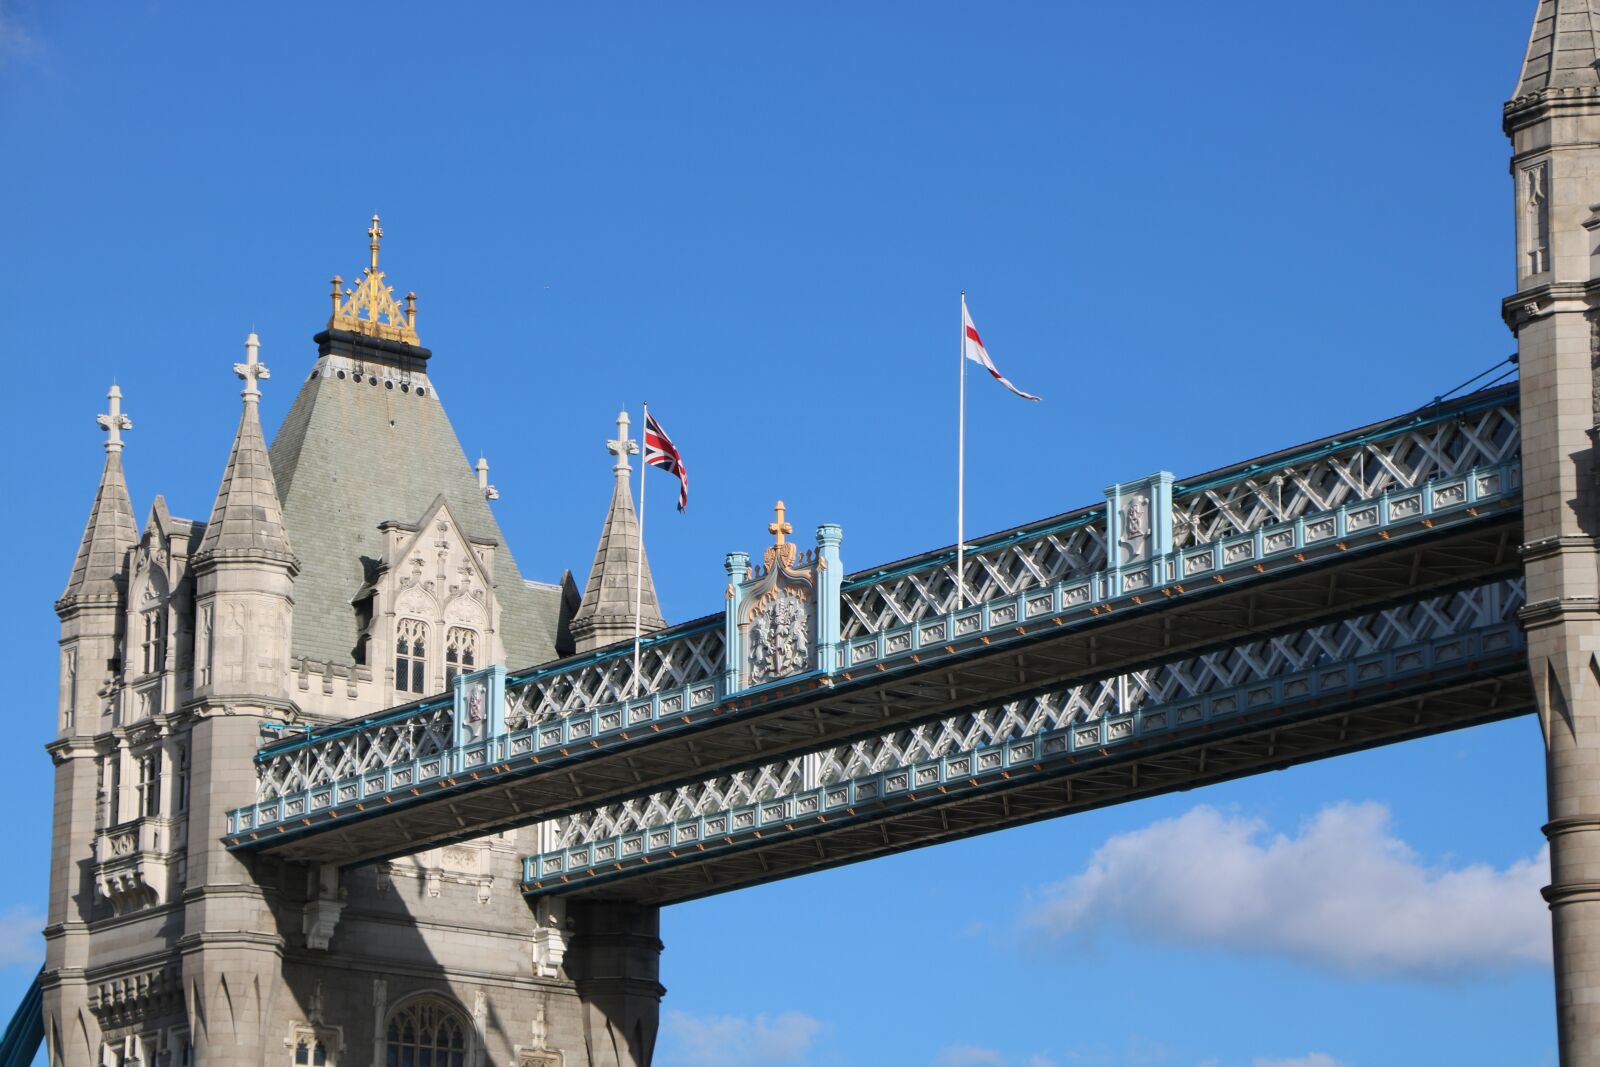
969, 1056
1345, 894
1316, 1059
20, 940
736, 1041
1040, 1061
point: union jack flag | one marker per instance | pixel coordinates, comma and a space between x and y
659, 451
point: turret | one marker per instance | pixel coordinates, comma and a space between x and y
620, 578
91, 609
244, 570
1553, 120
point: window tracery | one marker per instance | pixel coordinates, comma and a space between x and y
427, 1032
411, 656
460, 653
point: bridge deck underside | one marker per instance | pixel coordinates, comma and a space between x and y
755, 728
1495, 689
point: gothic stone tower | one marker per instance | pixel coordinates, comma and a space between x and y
352, 566
1553, 120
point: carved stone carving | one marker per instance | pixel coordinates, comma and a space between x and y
780, 640
1134, 542
778, 613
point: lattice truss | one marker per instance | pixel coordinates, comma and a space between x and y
671, 664
1173, 683
368, 751
1442, 449
1439, 449
1030, 564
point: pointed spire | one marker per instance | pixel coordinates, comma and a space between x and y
247, 519
606, 614
111, 531
1563, 49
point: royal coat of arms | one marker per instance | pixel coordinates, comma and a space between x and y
778, 617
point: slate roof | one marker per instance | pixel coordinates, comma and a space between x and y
351, 455
618, 560
109, 533
1564, 47
247, 519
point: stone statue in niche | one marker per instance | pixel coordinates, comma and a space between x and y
780, 644
1135, 536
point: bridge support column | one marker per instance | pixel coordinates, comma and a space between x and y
615, 961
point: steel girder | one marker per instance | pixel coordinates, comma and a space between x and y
1396, 674
1003, 664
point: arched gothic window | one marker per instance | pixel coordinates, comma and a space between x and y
427, 1032
411, 656
460, 653
154, 645
309, 1051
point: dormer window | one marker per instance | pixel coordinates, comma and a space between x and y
411, 657
460, 653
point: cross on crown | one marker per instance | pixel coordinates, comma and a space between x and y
780, 550
252, 370
114, 422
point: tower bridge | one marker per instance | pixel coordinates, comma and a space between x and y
302, 805
1378, 516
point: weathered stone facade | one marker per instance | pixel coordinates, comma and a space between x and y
352, 566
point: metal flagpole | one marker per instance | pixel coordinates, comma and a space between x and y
638, 576
961, 465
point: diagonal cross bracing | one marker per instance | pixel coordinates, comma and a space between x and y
1403, 671
1253, 555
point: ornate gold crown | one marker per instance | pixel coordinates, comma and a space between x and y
370, 307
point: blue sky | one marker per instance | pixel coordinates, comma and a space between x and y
1200, 232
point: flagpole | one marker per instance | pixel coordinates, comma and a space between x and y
638, 576
961, 464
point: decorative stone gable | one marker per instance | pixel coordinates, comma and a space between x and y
158, 634
783, 614
433, 609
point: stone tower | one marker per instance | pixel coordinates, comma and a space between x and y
1553, 120
351, 566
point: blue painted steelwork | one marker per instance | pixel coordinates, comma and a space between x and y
25, 1032
588, 701
1457, 654
1179, 574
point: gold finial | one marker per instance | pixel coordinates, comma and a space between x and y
781, 551
370, 307
778, 527
376, 233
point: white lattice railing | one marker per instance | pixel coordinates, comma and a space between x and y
1272, 491
683, 659
1321, 661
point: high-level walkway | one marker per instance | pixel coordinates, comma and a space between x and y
1160, 579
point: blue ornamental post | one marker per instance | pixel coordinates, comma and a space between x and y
737, 564
830, 585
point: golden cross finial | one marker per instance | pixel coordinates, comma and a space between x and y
376, 233
114, 422
778, 527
